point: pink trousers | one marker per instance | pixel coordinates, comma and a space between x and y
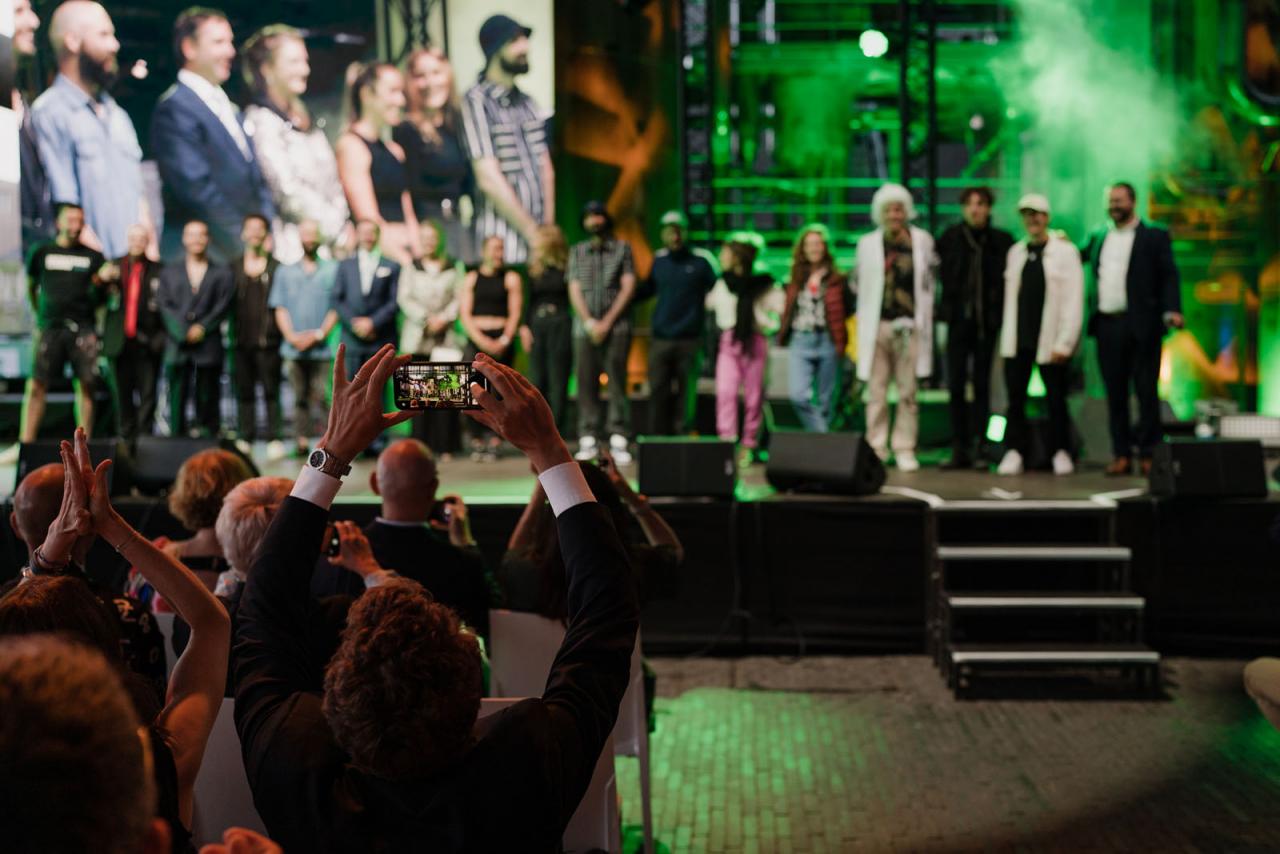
740, 367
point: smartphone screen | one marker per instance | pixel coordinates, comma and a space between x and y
436, 385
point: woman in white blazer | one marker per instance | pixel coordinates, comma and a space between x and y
1043, 316
895, 324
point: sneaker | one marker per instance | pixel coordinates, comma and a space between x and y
586, 448
617, 442
244, 447
1011, 464
621, 456
907, 462
276, 450
9, 456
1062, 463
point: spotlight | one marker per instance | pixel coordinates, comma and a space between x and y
873, 43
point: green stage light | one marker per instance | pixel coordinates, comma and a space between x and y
873, 43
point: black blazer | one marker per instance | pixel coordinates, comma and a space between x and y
528, 767
181, 309
150, 331
1152, 285
954, 257
456, 577
379, 306
205, 175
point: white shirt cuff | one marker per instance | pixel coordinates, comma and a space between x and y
315, 486
565, 486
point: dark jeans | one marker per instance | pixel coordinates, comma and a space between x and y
253, 368
673, 371
610, 356
1124, 359
137, 368
1017, 373
964, 347
310, 381
551, 360
185, 379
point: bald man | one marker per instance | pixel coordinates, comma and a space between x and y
410, 538
36, 503
87, 142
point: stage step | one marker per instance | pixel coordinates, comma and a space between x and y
1031, 601
953, 554
963, 661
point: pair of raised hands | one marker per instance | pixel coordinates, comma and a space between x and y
86, 506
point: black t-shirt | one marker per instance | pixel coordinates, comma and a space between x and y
547, 288
1031, 298
437, 171
63, 278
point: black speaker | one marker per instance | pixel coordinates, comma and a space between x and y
156, 459
41, 452
691, 467
839, 463
1208, 468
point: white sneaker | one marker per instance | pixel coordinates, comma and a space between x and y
244, 447
906, 462
9, 456
618, 449
276, 450
586, 448
1062, 463
1010, 464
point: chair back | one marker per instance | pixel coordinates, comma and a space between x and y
222, 795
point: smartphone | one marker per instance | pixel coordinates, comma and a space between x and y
332, 542
437, 385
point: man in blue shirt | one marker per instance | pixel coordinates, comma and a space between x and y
680, 278
87, 142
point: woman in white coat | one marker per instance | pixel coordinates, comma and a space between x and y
894, 282
1043, 316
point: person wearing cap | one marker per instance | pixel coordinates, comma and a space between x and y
602, 281
506, 138
680, 279
1137, 297
1043, 313
894, 284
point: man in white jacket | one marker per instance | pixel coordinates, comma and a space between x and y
1043, 316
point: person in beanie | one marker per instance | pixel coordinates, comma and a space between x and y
506, 138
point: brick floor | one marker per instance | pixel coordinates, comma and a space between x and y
873, 754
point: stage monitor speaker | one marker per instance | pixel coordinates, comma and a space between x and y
687, 467
156, 460
32, 455
1208, 468
838, 463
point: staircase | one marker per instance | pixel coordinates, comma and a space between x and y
1003, 613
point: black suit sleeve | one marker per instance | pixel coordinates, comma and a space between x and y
218, 277
1166, 272
385, 314
172, 310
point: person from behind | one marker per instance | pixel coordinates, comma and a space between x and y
366, 736
546, 332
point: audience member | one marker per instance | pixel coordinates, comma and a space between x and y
547, 330
195, 296
489, 305
680, 278
88, 145
255, 339
206, 159
295, 157
506, 135
371, 169
35, 202
435, 156
133, 335
813, 326
376, 744
301, 296
602, 281
407, 538
365, 293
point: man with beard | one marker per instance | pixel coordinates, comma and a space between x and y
87, 142
506, 137
1136, 297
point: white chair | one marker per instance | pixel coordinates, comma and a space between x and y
222, 795
522, 648
164, 622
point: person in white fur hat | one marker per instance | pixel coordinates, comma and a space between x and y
1043, 317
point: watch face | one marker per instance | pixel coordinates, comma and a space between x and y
317, 458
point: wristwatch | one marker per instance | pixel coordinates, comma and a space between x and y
327, 463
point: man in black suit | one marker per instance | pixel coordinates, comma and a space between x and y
133, 335
195, 297
1136, 296
366, 737
205, 156
404, 539
364, 296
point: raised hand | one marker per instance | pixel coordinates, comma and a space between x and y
354, 551
516, 411
356, 417
74, 519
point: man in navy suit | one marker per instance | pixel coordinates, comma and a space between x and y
195, 296
364, 296
204, 151
1136, 297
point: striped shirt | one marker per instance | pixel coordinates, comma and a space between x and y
506, 124
598, 269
